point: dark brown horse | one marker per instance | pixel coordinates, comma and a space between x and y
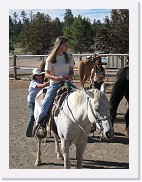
42, 68
85, 66
120, 89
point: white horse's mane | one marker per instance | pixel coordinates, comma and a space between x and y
81, 96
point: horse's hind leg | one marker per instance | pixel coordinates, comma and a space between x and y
127, 123
38, 159
57, 147
65, 149
80, 148
84, 80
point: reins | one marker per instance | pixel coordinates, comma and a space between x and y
97, 119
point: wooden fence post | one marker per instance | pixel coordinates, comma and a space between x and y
14, 67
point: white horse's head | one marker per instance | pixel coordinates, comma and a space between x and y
99, 112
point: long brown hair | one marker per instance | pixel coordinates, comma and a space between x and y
100, 62
60, 40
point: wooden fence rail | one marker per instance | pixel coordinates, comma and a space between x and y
28, 62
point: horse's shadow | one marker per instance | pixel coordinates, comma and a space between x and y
51, 164
92, 164
120, 120
115, 139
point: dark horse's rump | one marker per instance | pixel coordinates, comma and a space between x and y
120, 89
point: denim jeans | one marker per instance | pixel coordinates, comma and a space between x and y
30, 122
47, 102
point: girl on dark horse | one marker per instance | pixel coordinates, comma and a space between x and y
120, 89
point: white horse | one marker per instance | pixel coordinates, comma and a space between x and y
78, 112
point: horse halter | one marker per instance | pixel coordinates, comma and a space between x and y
98, 121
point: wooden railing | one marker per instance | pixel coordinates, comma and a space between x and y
25, 63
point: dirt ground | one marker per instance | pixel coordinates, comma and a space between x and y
112, 154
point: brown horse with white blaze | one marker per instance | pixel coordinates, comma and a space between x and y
85, 66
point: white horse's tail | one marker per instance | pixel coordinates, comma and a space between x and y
38, 102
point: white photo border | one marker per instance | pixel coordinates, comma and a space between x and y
134, 166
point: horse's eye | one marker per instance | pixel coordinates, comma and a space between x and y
97, 110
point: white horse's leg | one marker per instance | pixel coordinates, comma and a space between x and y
38, 159
102, 87
80, 148
65, 149
57, 147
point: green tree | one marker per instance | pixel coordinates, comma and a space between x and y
25, 19
11, 34
16, 28
57, 28
81, 34
120, 30
103, 35
68, 21
113, 34
37, 35
96, 26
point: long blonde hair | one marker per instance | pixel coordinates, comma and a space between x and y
60, 40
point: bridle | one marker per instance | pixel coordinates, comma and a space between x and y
98, 121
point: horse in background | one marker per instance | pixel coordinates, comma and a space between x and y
120, 89
72, 123
85, 66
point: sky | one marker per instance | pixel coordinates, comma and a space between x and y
98, 14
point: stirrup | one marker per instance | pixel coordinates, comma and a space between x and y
40, 131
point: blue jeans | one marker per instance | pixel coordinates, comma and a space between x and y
47, 102
30, 122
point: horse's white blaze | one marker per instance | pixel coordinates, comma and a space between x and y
79, 110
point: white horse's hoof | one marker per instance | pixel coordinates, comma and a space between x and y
60, 157
67, 165
38, 163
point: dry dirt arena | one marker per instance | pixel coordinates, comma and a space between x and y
112, 154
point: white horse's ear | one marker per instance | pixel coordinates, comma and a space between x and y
102, 89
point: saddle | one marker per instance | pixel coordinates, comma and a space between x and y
87, 59
58, 101
62, 93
